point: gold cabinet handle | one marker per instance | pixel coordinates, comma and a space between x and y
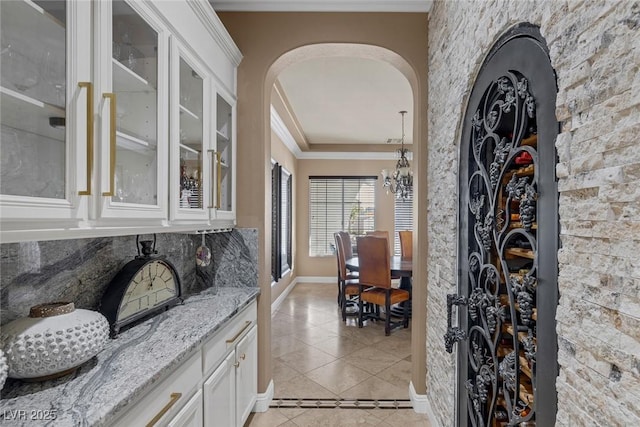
213, 153
89, 87
237, 364
112, 142
246, 325
172, 401
244, 356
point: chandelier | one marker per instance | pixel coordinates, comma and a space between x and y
400, 182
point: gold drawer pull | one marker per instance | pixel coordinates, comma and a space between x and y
246, 325
244, 356
235, 365
174, 398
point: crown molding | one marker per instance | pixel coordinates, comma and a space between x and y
280, 129
214, 25
323, 6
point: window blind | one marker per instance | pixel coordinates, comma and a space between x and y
339, 204
403, 218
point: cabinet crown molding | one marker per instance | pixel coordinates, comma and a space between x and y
214, 25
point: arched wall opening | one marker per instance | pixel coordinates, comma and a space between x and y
269, 43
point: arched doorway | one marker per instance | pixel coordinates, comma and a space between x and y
263, 39
351, 50
508, 220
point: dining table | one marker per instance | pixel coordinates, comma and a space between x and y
400, 267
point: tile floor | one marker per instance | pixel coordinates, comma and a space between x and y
318, 356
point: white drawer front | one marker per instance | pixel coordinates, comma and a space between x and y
225, 339
167, 398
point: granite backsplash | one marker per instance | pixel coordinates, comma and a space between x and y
79, 270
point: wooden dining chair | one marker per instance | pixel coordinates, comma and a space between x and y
348, 285
379, 233
348, 249
383, 234
406, 243
375, 272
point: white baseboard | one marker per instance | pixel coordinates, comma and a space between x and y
278, 302
317, 279
421, 404
264, 399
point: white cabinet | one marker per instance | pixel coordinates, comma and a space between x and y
230, 391
45, 112
59, 120
220, 395
215, 387
190, 173
191, 414
246, 375
101, 114
131, 82
224, 207
203, 151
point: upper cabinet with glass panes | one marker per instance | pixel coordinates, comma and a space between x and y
190, 182
225, 158
33, 108
134, 138
92, 134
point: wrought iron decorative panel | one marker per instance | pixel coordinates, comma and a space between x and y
501, 188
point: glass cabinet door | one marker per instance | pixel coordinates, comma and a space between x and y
33, 104
190, 186
135, 82
225, 152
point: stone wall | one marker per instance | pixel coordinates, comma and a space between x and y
595, 50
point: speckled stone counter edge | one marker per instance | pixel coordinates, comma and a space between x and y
128, 368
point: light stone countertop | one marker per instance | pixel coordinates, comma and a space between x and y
129, 366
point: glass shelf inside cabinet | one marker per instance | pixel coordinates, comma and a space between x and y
136, 172
33, 98
44, 119
134, 45
33, 50
135, 73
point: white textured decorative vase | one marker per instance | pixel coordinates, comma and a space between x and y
53, 341
4, 369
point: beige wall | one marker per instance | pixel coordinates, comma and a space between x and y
281, 154
269, 42
326, 265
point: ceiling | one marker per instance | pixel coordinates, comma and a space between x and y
340, 100
343, 100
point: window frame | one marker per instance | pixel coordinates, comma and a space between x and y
313, 250
281, 246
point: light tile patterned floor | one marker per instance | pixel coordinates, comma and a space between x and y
318, 357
